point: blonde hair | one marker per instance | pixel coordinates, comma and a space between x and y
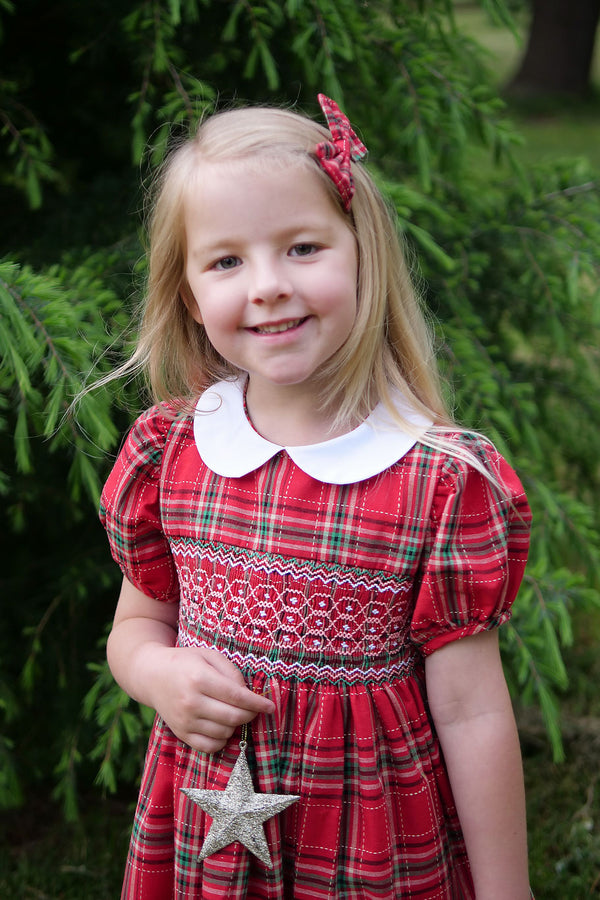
391, 345
390, 349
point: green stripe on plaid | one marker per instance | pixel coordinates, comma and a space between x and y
330, 596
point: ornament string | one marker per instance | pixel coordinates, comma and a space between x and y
238, 813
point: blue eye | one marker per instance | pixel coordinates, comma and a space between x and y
303, 249
228, 262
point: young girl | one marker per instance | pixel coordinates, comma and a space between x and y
316, 558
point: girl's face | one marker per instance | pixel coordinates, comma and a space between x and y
272, 267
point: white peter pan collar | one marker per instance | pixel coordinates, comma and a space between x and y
231, 447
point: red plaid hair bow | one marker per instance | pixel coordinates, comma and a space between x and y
336, 155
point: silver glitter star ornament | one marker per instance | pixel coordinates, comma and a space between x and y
238, 813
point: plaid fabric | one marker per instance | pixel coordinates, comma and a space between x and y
335, 156
332, 595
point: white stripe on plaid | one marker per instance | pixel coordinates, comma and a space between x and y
423, 553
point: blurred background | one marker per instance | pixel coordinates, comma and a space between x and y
483, 125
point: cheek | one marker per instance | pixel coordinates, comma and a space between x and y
206, 307
219, 320
341, 295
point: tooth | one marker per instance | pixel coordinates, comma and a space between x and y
284, 326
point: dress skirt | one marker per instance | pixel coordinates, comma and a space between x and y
329, 597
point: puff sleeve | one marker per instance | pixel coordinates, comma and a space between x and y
475, 551
130, 509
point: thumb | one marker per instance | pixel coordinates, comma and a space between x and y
225, 667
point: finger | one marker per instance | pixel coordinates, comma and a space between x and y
204, 744
221, 664
221, 715
207, 736
225, 682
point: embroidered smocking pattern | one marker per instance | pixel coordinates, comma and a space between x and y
279, 610
306, 586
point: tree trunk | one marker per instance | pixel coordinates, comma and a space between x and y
560, 49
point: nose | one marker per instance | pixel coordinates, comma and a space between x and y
268, 282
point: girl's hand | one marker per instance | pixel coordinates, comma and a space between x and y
199, 693
202, 696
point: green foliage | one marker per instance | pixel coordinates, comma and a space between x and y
508, 264
50, 326
27, 146
10, 789
25, 142
122, 724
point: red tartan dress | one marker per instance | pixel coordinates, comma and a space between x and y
327, 573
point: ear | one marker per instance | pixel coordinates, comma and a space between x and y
185, 292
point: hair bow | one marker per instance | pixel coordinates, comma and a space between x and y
336, 155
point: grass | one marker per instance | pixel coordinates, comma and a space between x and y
42, 858
552, 131
564, 841
563, 800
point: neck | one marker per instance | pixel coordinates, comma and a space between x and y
290, 418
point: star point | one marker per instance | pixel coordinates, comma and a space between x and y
239, 813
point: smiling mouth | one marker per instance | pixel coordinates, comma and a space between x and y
279, 327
